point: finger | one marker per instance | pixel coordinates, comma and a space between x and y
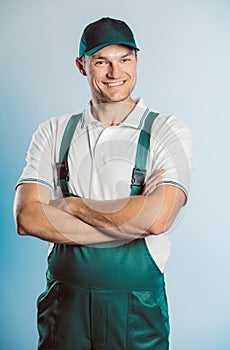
154, 179
150, 189
151, 184
155, 176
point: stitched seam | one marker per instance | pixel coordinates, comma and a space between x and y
143, 118
57, 314
128, 322
31, 179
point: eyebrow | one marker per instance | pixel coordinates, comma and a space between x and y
99, 57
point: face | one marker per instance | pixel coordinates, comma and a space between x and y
111, 73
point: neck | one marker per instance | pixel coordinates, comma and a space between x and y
111, 114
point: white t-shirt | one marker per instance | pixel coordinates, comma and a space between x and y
101, 159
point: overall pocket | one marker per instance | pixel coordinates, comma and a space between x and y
48, 306
148, 321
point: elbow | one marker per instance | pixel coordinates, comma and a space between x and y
20, 229
20, 221
158, 228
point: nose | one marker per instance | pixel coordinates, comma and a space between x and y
114, 71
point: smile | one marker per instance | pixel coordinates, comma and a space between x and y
115, 83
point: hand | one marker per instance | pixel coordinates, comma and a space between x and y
152, 182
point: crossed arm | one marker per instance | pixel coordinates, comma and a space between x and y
83, 221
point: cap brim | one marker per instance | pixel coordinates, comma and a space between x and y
99, 47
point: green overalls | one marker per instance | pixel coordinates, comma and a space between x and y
103, 298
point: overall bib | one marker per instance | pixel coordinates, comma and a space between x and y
103, 298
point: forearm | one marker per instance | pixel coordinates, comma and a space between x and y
51, 224
132, 214
138, 215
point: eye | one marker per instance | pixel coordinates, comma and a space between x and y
100, 63
124, 60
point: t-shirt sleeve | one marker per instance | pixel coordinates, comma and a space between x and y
39, 164
172, 151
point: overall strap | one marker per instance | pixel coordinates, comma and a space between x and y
62, 165
139, 170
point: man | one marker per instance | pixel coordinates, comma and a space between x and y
105, 282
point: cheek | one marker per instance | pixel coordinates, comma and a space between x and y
94, 76
133, 75
132, 71
94, 83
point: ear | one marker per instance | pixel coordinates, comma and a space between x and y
136, 56
80, 66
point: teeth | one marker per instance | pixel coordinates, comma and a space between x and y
115, 84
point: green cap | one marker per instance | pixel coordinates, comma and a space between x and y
104, 32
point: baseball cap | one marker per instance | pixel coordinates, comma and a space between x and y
104, 32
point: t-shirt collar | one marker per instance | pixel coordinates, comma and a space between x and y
134, 119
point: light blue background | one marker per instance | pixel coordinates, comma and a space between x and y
184, 69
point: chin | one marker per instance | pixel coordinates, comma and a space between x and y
119, 98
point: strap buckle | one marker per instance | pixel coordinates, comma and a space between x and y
138, 177
62, 171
